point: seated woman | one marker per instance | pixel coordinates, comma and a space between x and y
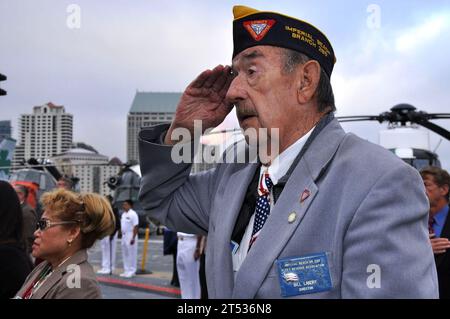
70, 224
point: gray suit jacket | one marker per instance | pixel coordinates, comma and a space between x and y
56, 286
365, 207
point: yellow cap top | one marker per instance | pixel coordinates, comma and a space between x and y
242, 11
253, 27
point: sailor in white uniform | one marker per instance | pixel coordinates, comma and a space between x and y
188, 267
129, 226
109, 245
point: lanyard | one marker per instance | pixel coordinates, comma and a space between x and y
38, 281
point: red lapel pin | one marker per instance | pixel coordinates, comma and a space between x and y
305, 195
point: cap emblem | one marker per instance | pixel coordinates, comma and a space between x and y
258, 28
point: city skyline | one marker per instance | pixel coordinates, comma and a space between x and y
387, 53
44, 133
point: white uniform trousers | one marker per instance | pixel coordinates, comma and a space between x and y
188, 268
129, 253
109, 253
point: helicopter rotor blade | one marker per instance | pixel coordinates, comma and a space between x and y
357, 118
437, 116
434, 127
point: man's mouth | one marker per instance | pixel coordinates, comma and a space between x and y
243, 118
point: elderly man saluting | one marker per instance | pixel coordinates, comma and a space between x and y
329, 216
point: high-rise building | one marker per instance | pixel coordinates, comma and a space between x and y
5, 130
92, 169
46, 132
147, 109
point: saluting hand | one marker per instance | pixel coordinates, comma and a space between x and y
203, 99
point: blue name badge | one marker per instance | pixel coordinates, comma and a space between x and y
304, 275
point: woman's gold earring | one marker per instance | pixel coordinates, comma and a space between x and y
69, 241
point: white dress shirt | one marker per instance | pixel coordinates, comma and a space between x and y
276, 171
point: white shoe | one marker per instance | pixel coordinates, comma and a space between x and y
123, 274
103, 272
129, 275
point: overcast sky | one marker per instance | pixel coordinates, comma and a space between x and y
154, 45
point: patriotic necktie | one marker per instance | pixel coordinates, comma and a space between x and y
431, 222
262, 210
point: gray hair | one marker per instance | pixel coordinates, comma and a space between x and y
441, 177
324, 92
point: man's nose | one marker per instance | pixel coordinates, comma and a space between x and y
236, 92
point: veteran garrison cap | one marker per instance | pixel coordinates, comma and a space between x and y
252, 27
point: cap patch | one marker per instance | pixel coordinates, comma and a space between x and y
258, 28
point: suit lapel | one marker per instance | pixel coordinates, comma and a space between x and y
230, 202
444, 234
31, 278
278, 228
59, 272
52, 280
446, 229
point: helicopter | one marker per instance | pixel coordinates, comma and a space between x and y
38, 177
403, 137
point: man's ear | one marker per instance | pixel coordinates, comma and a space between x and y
308, 80
445, 189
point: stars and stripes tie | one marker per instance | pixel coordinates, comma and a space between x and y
262, 210
431, 223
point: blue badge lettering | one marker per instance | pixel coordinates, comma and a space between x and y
304, 275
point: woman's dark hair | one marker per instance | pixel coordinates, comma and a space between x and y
10, 214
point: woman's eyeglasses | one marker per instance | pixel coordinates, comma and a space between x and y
43, 223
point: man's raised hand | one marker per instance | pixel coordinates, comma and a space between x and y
204, 100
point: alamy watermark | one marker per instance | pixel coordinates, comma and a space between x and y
374, 279
262, 144
374, 19
74, 279
73, 20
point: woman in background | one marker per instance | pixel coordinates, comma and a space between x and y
70, 224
